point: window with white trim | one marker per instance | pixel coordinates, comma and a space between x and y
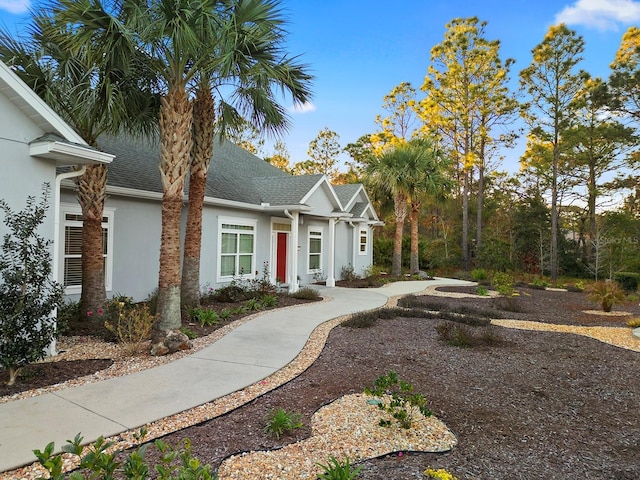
236, 245
72, 248
363, 242
315, 250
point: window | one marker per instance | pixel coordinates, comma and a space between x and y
237, 247
72, 248
315, 250
363, 247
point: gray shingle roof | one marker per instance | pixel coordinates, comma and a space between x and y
346, 192
234, 174
358, 209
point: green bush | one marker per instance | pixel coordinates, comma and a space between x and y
28, 296
478, 274
482, 291
269, 301
628, 281
503, 283
205, 316
348, 274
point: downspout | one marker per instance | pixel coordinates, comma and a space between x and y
354, 244
56, 233
331, 273
295, 216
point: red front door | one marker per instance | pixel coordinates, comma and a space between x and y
281, 257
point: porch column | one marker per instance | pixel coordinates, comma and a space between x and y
331, 267
293, 255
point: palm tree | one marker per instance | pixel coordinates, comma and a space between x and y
426, 169
182, 41
95, 97
248, 66
408, 172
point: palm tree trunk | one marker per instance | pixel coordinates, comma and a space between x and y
400, 210
203, 132
415, 251
92, 187
175, 138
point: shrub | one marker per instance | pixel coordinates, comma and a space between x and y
225, 313
131, 326
348, 273
337, 470
462, 336
280, 421
627, 280
306, 293
440, 474
508, 304
99, 463
478, 274
231, 293
68, 314
482, 291
28, 295
633, 322
394, 397
362, 319
503, 283
604, 293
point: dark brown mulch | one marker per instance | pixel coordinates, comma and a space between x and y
49, 373
538, 405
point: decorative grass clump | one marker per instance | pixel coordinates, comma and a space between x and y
306, 293
463, 336
362, 319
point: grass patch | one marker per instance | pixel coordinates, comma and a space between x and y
464, 336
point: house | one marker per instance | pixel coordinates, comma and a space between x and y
256, 218
34, 143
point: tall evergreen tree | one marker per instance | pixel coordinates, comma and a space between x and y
552, 82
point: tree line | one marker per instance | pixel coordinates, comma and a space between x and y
581, 137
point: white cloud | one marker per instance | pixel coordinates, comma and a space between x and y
15, 6
305, 107
600, 14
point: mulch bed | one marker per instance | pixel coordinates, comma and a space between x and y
535, 405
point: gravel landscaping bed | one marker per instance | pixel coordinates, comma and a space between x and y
536, 404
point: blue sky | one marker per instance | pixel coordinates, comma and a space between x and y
359, 50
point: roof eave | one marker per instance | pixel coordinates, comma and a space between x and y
65, 154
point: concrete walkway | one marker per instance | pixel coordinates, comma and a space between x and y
247, 354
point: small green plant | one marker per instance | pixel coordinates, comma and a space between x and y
205, 316
306, 293
337, 470
440, 474
605, 293
634, 322
395, 397
225, 313
479, 274
253, 304
240, 310
268, 301
131, 326
348, 274
539, 283
482, 291
189, 333
503, 283
280, 421
99, 463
